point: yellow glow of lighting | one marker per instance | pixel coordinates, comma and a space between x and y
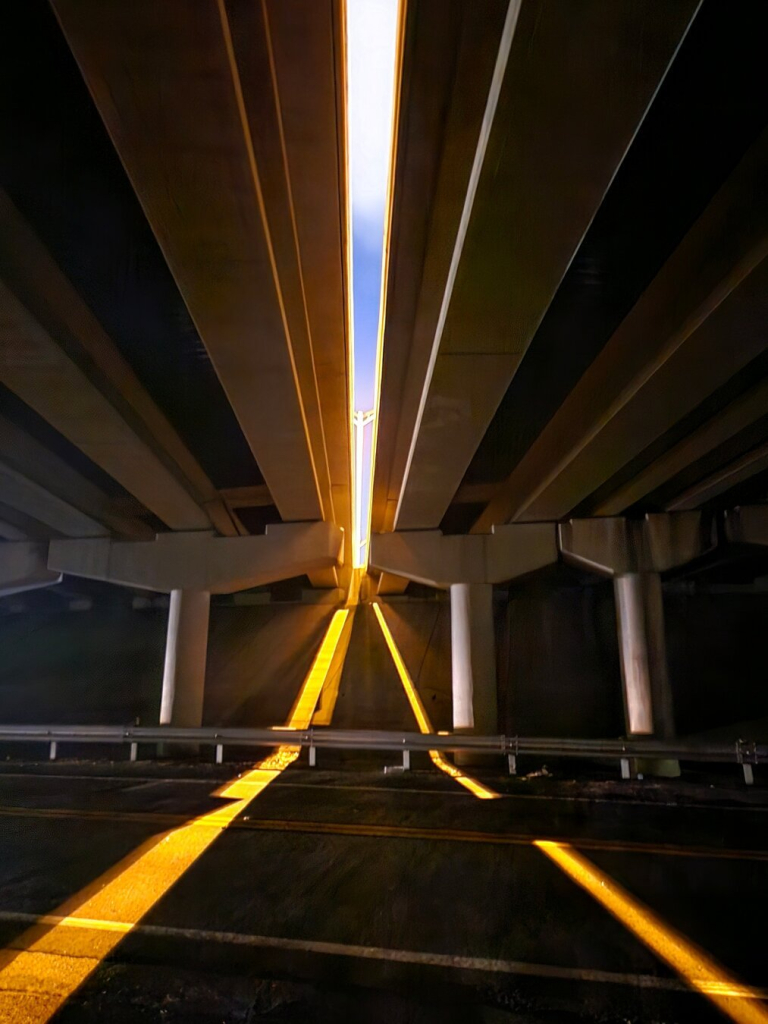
304, 708
43, 967
425, 726
737, 1001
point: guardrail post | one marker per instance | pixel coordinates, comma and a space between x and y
134, 751
52, 751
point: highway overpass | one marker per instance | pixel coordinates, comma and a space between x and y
549, 679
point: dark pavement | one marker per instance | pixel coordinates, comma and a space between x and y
351, 894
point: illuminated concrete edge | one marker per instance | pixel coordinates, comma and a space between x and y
201, 561
429, 557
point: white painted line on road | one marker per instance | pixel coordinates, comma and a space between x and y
404, 956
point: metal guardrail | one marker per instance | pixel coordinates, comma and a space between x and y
745, 753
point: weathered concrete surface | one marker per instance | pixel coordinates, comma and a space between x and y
105, 666
422, 632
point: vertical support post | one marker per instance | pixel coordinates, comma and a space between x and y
648, 706
134, 751
52, 750
473, 659
185, 656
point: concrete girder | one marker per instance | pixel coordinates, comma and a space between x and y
429, 557
24, 454
200, 561
30, 498
698, 323
46, 343
531, 197
223, 88
614, 546
24, 566
747, 524
447, 56
723, 479
739, 415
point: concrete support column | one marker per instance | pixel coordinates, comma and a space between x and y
473, 658
186, 650
648, 704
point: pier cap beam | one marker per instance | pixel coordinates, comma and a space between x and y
615, 546
436, 560
202, 561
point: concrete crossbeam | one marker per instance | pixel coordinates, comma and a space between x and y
436, 560
613, 545
24, 566
200, 561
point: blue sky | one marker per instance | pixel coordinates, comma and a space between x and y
371, 40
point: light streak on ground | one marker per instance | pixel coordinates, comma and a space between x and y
700, 971
425, 726
41, 968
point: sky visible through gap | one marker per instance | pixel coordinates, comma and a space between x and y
371, 44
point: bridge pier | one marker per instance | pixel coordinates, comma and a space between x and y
634, 553
473, 659
186, 653
468, 566
190, 567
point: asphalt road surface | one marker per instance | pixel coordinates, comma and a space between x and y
345, 895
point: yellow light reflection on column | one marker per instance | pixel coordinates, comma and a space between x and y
425, 726
42, 967
737, 1001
